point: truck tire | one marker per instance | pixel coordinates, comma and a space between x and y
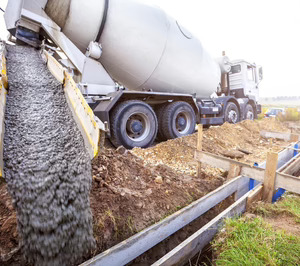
159, 113
133, 124
178, 120
249, 112
232, 113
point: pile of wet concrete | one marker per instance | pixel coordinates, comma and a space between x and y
47, 167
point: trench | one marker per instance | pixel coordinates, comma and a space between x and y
46, 165
161, 249
203, 258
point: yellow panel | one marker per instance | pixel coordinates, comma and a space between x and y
81, 111
3, 92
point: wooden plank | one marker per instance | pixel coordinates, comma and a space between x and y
242, 187
199, 146
255, 195
196, 242
270, 175
234, 171
136, 245
224, 163
288, 182
293, 167
284, 157
284, 181
294, 138
276, 135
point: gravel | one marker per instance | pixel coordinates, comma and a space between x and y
47, 168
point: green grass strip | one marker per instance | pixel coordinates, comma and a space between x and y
254, 242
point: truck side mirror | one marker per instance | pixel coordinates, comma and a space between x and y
260, 73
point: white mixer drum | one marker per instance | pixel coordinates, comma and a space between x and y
143, 48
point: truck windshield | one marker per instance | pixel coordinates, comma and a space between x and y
235, 69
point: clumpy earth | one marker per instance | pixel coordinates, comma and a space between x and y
223, 140
46, 166
130, 190
127, 196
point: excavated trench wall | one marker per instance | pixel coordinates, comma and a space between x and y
47, 167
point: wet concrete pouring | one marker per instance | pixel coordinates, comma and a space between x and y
47, 168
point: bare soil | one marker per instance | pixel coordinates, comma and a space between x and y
178, 154
126, 197
8, 223
284, 222
134, 189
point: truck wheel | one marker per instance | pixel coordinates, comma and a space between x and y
249, 113
159, 114
179, 120
232, 114
133, 124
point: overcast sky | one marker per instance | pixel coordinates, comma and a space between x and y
262, 31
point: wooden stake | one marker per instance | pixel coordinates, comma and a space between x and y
270, 175
294, 137
199, 145
234, 171
254, 196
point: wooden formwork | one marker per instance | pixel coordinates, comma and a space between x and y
133, 247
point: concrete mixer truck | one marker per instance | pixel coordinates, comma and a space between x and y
142, 73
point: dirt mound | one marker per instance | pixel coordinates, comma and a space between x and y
178, 154
128, 196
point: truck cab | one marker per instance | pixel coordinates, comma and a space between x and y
244, 78
237, 95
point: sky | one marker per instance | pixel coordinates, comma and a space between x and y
266, 32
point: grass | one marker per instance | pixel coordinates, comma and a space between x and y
289, 205
254, 242
120, 226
